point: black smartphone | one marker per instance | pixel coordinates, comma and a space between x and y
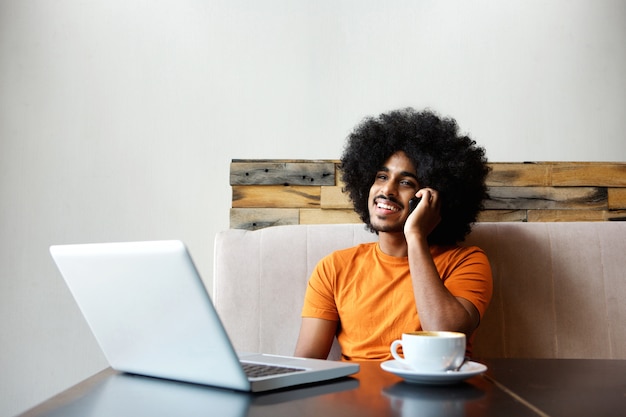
413, 203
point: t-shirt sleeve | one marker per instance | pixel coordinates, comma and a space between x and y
471, 279
319, 298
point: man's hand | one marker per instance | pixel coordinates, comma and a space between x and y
426, 215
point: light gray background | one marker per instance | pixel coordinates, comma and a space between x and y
118, 120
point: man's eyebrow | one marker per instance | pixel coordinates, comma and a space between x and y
403, 173
409, 174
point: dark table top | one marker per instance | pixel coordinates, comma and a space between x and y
564, 387
510, 387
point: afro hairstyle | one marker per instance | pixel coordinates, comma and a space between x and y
445, 160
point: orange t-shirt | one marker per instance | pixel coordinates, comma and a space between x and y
370, 294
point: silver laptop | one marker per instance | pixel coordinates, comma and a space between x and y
151, 315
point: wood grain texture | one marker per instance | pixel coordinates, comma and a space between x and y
543, 174
503, 216
282, 173
535, 198
586, 174
574, 215
276, 196
258, 218
617, 198
272, 192
313, 216
518, 175
334, 198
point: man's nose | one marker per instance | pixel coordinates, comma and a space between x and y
390, 189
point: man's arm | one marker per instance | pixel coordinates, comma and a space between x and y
437, 308
316, 338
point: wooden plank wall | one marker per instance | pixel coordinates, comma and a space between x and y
277, 192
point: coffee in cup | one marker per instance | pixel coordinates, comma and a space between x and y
430, 351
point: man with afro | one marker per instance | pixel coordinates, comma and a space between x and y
417, 276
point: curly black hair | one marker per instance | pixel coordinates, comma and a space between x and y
451, 163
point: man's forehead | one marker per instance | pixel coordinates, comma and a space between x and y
401, 163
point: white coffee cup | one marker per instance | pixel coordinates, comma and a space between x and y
430, 351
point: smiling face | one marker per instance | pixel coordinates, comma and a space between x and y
395, 184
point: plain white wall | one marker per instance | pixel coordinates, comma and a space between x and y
118, 120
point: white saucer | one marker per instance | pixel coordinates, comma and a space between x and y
468, 370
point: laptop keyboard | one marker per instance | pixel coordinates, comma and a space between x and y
256, 370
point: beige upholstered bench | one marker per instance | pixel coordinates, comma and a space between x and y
559, 288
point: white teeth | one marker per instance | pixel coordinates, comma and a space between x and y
387, 207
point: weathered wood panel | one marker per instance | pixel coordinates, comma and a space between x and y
573, 215
273, 192
313, 216
276, 196
543, 174
535, 198
334, 198
503, 216
282, 173
586, 174
518, 175
617, 215
617, 198
258, 218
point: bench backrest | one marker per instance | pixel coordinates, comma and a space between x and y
559, 288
